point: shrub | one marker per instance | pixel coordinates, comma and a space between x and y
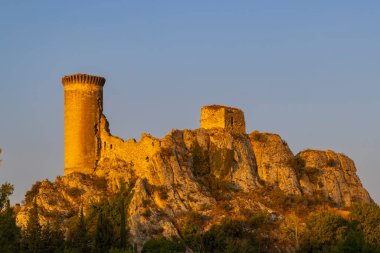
29, 196
298, 164
331, 163
147, 213
74, 192
162, 192
324, 230
231, 236
162, 245
100, 183
368, 217
259, 137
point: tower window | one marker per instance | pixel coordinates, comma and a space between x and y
111, 146
232, 121
104, 145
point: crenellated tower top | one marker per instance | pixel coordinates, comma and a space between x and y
83, 79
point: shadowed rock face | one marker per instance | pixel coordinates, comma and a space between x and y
196, 170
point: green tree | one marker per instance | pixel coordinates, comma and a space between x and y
9, 232
103, 234
353, 242
123, 231
324, 230
52, 239
78, 240
31, 239
368, 217
163, 245
231, 236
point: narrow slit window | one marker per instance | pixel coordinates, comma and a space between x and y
232, 121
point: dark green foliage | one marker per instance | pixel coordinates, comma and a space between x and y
367, 215
31, 238
100, 183
5, 191
123, 230
230, 237
192, 230
104, 234
52, 240
147, 213
331, 162
29, 196
352, 242
163, 245
9, 232
298, 164
78, 240
259, 137
113, 212
328, 232
38, 239
324, 230
162, 191
74, 192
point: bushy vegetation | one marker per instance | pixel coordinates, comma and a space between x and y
259, 137
103, 229
29, 196
329, 232
9, 232
298, 164
163, 245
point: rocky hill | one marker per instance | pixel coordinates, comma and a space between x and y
210, 173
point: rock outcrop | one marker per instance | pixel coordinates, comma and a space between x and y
273, 157
214, 172
333, 176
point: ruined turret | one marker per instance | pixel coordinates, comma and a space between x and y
218, 116
83, 105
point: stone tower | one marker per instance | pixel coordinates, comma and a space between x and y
83, 106
219, 116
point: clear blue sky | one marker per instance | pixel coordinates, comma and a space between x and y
308, 70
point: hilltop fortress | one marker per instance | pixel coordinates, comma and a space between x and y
220, 149
87, 137
216, 171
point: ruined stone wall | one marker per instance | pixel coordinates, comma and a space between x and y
234, 120
217, 116
83, 99
139, 154
212, 117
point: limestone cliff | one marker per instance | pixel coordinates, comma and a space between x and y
213, 172
333, 176
273, 155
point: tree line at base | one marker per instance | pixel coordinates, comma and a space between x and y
104, 230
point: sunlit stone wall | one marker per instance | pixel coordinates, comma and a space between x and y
217, 116
83, 102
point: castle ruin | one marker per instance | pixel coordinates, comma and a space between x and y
87, 138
